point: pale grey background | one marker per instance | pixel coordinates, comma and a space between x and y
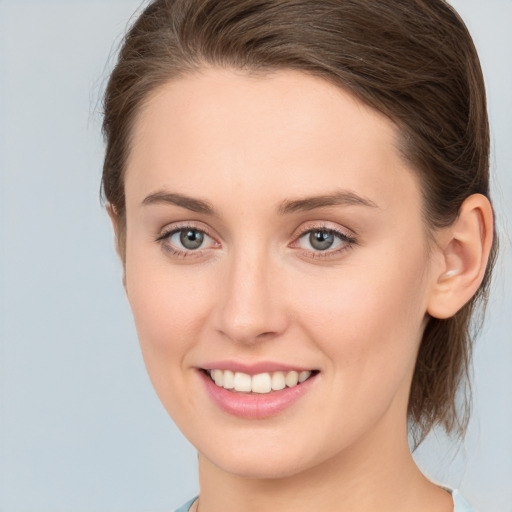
80, 426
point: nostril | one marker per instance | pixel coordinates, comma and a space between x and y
266, 334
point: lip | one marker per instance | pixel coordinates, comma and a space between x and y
252, 368
252, 405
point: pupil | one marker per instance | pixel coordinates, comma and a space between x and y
321, 240
191, 239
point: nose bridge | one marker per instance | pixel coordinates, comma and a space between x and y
250, 308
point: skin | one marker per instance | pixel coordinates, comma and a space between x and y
256, 290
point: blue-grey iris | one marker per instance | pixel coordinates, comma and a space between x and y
191, 238
321, 240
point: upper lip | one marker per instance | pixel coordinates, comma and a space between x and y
253, 368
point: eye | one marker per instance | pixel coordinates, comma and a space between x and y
324, 240
185, 240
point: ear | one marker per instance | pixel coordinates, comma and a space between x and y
464, 248
114, 219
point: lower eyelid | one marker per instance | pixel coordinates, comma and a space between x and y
174, 251
328, 253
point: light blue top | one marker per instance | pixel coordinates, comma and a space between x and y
459, 503
187, 505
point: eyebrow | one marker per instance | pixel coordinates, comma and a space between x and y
195, 205
340, 198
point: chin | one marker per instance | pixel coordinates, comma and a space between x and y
261, 462
259, 469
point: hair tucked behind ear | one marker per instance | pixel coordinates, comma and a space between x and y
412, 60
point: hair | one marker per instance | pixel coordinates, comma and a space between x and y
412, 60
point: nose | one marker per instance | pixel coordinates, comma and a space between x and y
252, 303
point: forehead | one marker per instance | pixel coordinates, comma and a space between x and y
280, 130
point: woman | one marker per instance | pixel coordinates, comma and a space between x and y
300, 197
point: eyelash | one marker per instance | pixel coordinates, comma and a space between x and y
348, 241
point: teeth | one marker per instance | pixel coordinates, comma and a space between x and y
229, 379
218, 377
278, 381
260, 383
243, 382
302, 376
292, 379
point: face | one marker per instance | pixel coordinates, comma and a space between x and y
275, 243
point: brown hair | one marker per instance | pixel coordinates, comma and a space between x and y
412, 60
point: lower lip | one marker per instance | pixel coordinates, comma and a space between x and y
255, 405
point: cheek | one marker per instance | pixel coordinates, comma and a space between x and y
369, 319
168, 304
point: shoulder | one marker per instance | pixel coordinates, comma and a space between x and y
186, 506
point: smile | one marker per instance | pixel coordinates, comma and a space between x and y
260, 383
257, 395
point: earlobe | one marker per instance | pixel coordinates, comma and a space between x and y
465, 246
